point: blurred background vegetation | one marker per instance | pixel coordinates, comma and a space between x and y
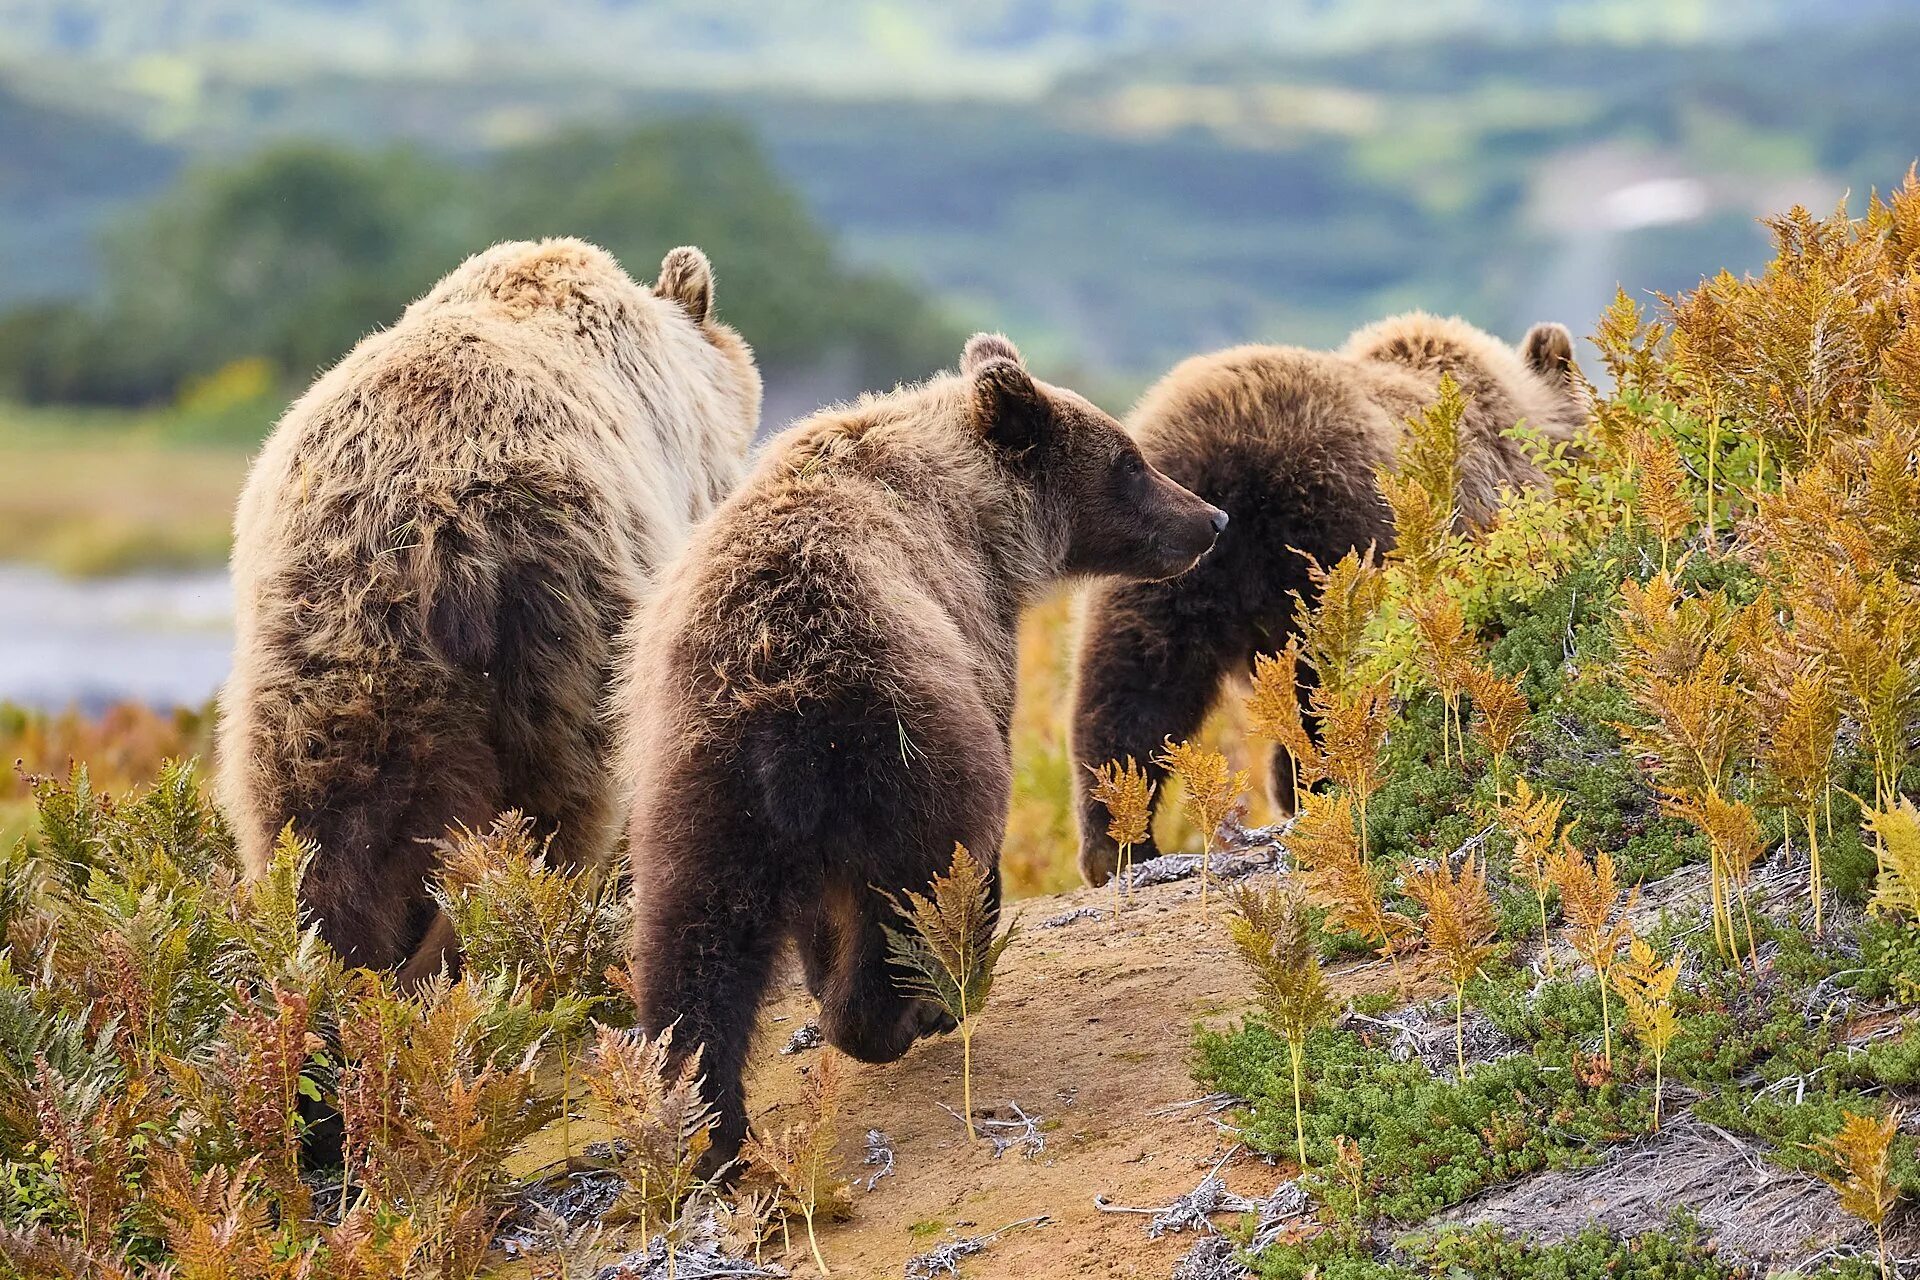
204, 203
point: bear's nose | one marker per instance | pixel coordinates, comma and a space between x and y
1219, 522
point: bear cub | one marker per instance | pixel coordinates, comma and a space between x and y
1287, 441
817, 702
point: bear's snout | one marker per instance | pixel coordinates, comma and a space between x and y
1198, 533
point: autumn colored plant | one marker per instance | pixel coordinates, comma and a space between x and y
1646, 986
1337, 876
799, 1160
948, 953
558, 929
1532, 819
1353, 724
1447, 654
1127, 793
1209, 789
1500, 712
1420, 487
1862, 1156
1273, 714
1591, 900
1662, 500
1896, 891
1799, 765
1333, 631
653, 1103
1458, 927
1270, 932
1735, 842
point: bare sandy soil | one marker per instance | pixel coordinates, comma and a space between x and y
1090, 1029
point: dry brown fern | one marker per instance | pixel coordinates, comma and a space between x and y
1590, 898
1646, 986
948, 954
664, 1127
1337, 877
1735, 842
1273, 713
1532, 819
800, 1160
1447, 651
1862, 1154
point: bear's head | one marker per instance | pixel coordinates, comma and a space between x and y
1099, 506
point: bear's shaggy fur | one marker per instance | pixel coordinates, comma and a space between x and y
1287, 442
434, 555
818, 698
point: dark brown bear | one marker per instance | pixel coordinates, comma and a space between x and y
1287, 442
434, 555
818, 699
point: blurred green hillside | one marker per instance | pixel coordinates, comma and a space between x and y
271, 180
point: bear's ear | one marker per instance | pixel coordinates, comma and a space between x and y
982, 347
686, 277
1008, 408
1548, 350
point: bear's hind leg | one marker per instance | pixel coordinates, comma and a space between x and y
708, 926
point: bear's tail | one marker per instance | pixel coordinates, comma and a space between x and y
786, 756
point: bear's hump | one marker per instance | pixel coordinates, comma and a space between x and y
522, 279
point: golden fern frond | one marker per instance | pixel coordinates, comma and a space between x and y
1896, 890
1333, 631
1646, 986
1663, 500
1459, 921
1589, 894
800, 1162
1270, 932
1798, 758
1127, 794
1500, 708
1532, 818
1209, 788
1273, 712
1422, 528
654, 1104
1446, 649
1336, 875
1322, 831
948, 955
1862, 1153
1353, 725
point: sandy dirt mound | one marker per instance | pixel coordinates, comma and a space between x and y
1090, 1030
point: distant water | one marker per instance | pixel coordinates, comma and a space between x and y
160, 639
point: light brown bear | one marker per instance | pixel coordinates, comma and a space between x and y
434, 555
1287, 442
818, 699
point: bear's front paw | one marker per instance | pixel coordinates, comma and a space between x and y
1098, 862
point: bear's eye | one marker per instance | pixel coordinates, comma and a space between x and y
1131, 465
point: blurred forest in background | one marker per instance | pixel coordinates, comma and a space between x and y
206, 202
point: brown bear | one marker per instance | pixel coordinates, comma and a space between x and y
434, 555
1287, 442
818, 698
